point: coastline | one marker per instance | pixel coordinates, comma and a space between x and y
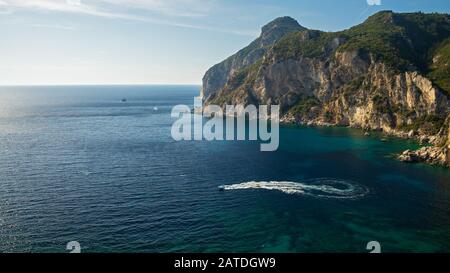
432, 151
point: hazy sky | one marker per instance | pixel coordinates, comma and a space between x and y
153, 41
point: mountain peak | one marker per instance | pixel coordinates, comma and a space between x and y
278, 28
281, 22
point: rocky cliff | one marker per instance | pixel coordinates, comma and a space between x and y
217, 76
391, 73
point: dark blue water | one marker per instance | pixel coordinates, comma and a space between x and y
76, 163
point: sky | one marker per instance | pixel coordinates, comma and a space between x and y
154, 41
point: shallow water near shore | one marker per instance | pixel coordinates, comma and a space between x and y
78, 164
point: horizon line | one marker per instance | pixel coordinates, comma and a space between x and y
94, 84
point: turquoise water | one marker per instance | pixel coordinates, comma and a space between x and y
77, 164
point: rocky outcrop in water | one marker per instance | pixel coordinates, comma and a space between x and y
391, 73
435, 155
431, 155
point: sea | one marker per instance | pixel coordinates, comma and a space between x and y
97, 165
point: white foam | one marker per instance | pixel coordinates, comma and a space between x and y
322, 188
86, 173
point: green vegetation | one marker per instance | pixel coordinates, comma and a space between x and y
308, 43
403, 41
379, 36
303, 107
440, 66
429, 124
400, 40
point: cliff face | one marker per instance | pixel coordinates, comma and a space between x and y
390, 73
217, 76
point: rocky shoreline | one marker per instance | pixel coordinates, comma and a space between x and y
430, 155
437, 154
433, 155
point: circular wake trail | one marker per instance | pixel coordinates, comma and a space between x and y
320, 188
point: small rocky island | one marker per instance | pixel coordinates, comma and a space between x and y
391, 74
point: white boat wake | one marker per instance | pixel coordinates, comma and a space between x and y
320, 188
